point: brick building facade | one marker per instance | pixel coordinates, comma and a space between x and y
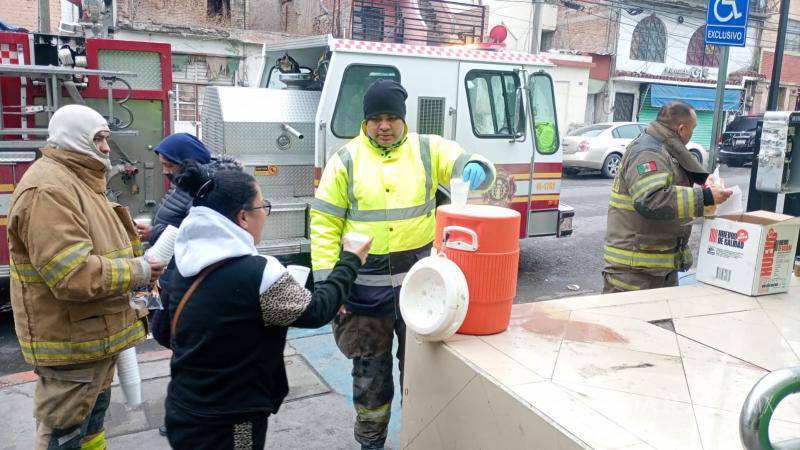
25, 13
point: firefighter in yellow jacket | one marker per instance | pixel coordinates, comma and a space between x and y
383, 184
75, 257
657, 192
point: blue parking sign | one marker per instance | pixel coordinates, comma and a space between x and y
726, 22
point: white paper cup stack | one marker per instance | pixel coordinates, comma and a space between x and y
129, 378
164, 247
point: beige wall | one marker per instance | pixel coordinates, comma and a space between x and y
25, 14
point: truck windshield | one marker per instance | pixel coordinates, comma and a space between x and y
349, 110
543, 106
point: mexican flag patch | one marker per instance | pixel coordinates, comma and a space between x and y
646, 167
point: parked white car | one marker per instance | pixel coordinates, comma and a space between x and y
600, 147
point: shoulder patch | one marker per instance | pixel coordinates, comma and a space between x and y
646, 167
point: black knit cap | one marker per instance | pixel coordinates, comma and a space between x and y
385, 97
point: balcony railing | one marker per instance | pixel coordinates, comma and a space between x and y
419, 22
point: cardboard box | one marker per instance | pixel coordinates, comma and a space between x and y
750, 253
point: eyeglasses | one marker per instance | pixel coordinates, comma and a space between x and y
266, 206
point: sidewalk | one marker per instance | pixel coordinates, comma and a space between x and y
318, 412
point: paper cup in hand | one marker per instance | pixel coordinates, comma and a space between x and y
299, 273
357, 239
459, 191
129, 378
164, 247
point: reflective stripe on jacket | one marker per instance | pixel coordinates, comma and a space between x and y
74, 261
389, 195
653, 201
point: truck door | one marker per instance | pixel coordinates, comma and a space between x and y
487, 105
544, 216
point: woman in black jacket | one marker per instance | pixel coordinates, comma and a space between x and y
230, 312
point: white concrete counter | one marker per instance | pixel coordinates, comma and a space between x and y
667, 368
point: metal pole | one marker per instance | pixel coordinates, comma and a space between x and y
536, 32
719, 107
755, 198
44, 16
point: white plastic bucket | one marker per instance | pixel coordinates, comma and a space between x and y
129, 378
164, 247
299, 273
434, 298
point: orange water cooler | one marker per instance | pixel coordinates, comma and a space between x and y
483, 241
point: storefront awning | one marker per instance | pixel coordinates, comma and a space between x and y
700, 98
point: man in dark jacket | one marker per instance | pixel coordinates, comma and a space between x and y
172, 151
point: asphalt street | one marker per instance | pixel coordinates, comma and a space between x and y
561, 267
549, 267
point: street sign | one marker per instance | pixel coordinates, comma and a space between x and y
726, 22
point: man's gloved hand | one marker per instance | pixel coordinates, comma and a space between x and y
474, 174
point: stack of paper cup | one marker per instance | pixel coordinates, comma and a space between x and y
129, 378
357, 238
164, 247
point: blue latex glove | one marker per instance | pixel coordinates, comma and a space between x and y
475, 174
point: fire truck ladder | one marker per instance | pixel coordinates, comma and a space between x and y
53, 79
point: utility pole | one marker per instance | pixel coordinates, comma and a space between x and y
44, 16
755, 198
719, 106
536, 25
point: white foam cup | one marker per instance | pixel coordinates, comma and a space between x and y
164, 247
129, 378
459, 190
299, 273
357, 239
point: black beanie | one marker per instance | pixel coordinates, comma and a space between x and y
385, 97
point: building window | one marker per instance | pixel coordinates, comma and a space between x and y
793, 36
700, 54
219, 8
649, 40
349, 111
368, 23
492, 98
548, 40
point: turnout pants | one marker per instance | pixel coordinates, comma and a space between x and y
614, 282
70, 404
367, 341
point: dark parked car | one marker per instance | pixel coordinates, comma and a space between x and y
738, 142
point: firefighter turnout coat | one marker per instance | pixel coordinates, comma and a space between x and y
654, 198
389, 194
73, 264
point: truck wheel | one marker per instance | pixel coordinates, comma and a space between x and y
611, 165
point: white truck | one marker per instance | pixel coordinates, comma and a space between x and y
309, 103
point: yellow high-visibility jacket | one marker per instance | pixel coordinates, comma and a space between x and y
389, 194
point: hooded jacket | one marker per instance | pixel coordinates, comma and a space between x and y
75, 257
228, 342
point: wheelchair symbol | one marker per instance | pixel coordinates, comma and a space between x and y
733, 14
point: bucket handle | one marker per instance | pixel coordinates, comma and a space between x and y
460, 245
